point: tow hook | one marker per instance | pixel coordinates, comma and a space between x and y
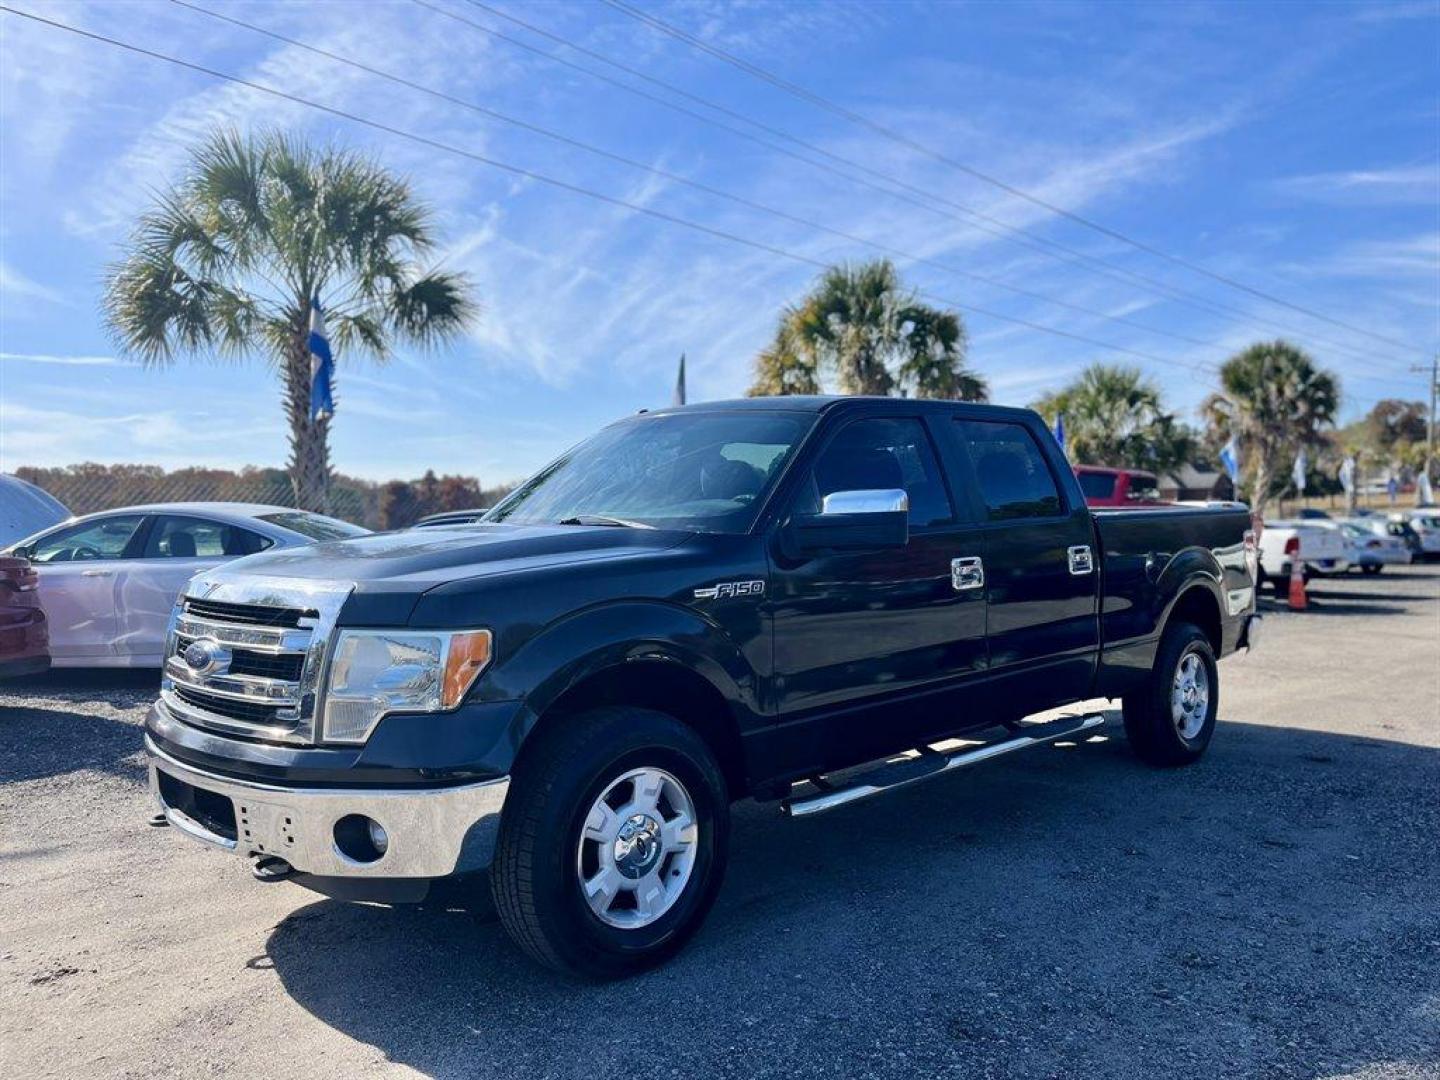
271, 868
158, 821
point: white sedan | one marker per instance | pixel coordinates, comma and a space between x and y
109, 580
1375, 544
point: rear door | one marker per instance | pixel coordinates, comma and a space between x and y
177, 547
77, 565
1042, 578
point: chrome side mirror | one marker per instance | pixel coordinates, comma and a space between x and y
865, 520
867, 501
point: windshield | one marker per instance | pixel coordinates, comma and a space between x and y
315, 526
703, 471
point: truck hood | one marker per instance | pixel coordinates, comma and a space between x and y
418, 559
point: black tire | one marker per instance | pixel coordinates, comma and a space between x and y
1371, 568
535, 876
1150, 723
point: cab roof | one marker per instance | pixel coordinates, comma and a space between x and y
819, 403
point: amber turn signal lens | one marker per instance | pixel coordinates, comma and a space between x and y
469, 653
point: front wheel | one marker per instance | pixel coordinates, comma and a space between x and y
613, 842
1371, 568
1171, 719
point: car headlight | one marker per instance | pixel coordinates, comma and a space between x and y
374, 672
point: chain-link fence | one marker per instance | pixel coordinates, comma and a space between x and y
392, 504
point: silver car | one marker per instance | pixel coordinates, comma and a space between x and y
108, 580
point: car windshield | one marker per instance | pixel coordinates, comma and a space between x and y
707, 472
315, 526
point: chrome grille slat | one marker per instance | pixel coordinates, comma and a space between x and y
258, 638
240, 687
254, 632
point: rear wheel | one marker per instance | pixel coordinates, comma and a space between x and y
613, 842
1171, 719
1371, 568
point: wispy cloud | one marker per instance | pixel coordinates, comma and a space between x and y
1418, 184
16, 286
62, 361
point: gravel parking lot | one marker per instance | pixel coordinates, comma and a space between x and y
1273, 911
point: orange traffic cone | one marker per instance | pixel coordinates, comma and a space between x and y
1297, 586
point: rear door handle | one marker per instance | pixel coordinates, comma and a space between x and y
96, 573
967, 573
1082, 561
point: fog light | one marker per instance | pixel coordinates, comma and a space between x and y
379, 837
361, 839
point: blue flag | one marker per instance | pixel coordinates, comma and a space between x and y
1230, 458
1060, 429
322, 366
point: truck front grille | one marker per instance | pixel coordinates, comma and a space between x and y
249, 614
246, 656
243, 711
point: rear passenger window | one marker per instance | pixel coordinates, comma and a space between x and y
1014, 479
1096, 485
881, 454
199, 538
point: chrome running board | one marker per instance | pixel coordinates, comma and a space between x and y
931, 763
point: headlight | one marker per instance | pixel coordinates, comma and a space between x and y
374, 672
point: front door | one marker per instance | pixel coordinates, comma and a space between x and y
77, 568
1041, 572
859, 635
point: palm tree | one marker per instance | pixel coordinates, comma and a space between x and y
864, 326
1273, 400
784, 367
228, 261
1114, 416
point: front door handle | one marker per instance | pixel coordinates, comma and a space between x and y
96, 573
1082, 561
967, 573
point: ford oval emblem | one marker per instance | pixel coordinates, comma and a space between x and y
202, 656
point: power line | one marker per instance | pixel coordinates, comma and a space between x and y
695, 184
563, 185
971, 217
837, 109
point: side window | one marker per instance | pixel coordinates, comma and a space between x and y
875, 454
1096, 485
103, 539
199, 538
1014, 480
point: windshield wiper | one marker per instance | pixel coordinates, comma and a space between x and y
602, 519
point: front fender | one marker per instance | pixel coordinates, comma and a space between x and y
572, 649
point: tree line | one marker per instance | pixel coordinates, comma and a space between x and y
393, 504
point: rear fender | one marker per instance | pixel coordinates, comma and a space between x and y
1193, 572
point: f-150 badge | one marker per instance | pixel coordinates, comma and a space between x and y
727, 590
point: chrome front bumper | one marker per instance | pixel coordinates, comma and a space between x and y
433, 832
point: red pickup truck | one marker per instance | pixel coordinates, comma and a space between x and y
1118, 487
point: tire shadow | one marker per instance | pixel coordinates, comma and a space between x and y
1069, 901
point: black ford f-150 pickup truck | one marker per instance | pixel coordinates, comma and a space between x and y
694, 606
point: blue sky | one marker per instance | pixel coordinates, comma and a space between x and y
1290, 146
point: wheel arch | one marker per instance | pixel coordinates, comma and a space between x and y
1198, 602
643, 655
